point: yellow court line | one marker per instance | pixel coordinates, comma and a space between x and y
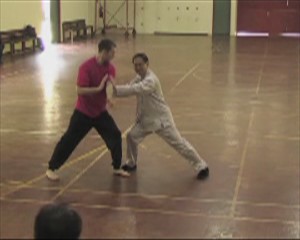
167, 197
36, 179
94, 161
184, 214
105, 151
289, 138
42, 176
160, 211
86, 169
73, 180
273, 137
178, 198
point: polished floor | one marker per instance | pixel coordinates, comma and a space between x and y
235, 100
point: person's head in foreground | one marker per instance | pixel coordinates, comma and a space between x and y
141, 64
57, 221
106, 51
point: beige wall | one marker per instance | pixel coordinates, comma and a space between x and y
152, 15
75, 9
78, 9
185, 16
16, 14
91, 12
163, 16
146, 17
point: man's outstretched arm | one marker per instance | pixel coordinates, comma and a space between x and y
143, 87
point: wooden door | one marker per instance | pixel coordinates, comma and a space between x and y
269, 16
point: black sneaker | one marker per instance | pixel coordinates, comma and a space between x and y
203, 174
128, 168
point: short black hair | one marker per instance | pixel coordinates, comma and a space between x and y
106, 44
142, 56
57, 221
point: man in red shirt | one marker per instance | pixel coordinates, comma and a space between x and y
91, 112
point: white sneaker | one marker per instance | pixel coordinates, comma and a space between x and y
51, 175
121, 173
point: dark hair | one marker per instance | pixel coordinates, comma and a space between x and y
57, 221
142, 56
106, 44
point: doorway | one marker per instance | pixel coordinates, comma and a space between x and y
268, 17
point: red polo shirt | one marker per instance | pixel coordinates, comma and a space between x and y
90, 75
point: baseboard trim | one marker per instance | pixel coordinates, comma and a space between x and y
180, 34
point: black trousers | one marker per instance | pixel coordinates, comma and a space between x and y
79, 126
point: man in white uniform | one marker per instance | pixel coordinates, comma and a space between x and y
154, 116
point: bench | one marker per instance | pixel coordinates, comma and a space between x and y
12, 37
76, 26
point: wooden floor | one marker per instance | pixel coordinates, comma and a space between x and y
235, 100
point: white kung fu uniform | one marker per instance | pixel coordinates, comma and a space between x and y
154, 116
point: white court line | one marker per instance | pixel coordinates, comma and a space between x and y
31, 132
261, 71
245, 148
185, 76
43, 132
241, 168
195, 75
192, 132
8, 130
176, 72
279, 137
